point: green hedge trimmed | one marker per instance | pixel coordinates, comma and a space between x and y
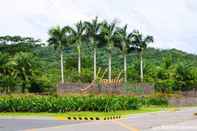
32, 103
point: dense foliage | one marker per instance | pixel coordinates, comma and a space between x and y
27, 65
75, 103
161, 67
20, 67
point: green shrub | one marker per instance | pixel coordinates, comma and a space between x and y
32, 103
155, 100
162, 101
165, 86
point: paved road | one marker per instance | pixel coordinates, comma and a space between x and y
182, 120
28, 124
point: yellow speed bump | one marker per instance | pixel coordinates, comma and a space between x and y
78, 118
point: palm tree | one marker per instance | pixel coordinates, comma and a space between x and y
59, 38
93, 32
4, 60
124, 43
141, 43
24, 65
6, 73
108, 33
77, 38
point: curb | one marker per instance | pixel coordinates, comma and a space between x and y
78, 118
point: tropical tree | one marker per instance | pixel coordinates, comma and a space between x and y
108, 33
6, 73
77, 36
185, 76
4, 59
93, 33
59, 38
25, 66
124, 43
141, 43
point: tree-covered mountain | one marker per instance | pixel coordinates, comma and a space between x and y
160, 65
77, 53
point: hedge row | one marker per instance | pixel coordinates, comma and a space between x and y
34, 103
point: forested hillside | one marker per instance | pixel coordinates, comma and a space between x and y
155, 61
30, 65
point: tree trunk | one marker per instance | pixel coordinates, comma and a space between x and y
109, 77
94, 63
125, 68
79, 60
62, 67
141, 67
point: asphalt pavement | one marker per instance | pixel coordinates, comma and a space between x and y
181, 120
19, 124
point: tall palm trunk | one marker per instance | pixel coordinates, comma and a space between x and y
109, 75
62, 67
94, 63
125, 67
79, 60
141, 67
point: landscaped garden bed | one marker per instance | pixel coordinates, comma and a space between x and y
93, 103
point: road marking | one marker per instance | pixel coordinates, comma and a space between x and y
56, 127
30, 129
173, 110
53, 127
60, 118
125, 126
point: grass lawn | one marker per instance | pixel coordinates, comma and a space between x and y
85, 114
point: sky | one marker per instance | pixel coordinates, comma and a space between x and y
173, 23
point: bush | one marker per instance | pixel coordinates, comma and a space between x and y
73, 76
165, 86
156, 100
32, 103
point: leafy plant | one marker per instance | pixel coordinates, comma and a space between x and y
32, 103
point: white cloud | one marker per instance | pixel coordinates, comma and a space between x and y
172, 22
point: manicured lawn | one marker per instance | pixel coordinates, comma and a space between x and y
86, 114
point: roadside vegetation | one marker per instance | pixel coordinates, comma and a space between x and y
75, 54
29, 65
32, 103
62, 116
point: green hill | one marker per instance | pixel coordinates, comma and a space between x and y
37, 68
